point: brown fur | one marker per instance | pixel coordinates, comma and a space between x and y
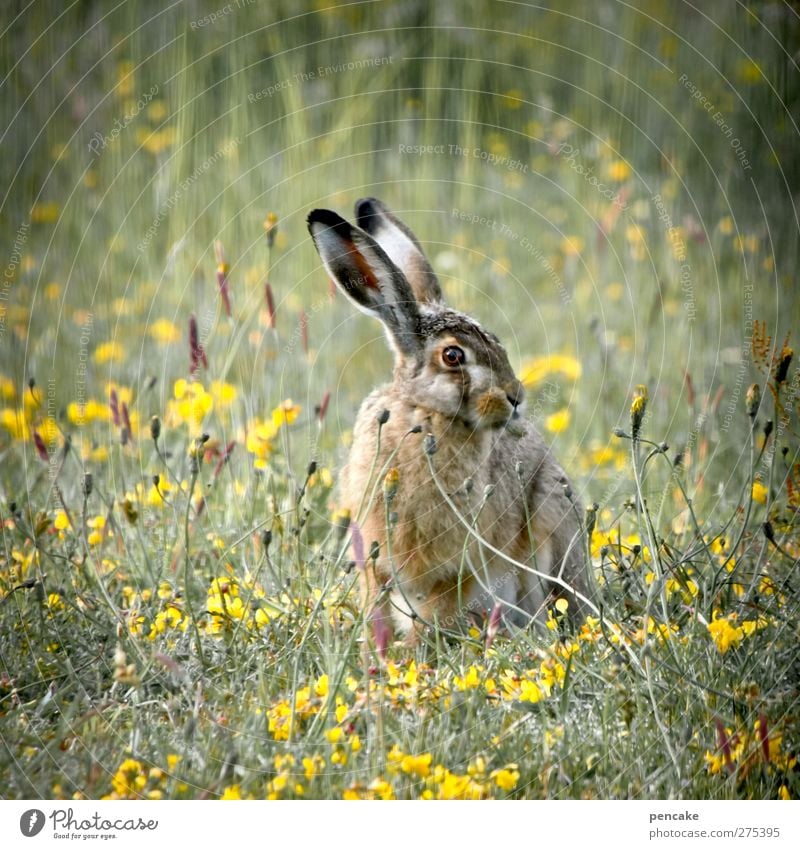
422, 575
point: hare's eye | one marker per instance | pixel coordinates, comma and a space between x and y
452, 355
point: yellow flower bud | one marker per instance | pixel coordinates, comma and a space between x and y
390, 484
752, 400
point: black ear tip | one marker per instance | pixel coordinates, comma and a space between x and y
368, 214
327, 218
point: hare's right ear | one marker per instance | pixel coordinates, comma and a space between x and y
375, 218
367, 276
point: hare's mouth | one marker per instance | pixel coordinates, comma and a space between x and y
495, 407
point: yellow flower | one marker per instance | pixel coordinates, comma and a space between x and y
636, 242
312, 766
156, 141
506, 778
270, 228
61, 521
279, 718
264, 615
108, 352
377, 788
535, 371
259, 441
724, 634
157, 111
726, 225
88, 412
164, 331
333, 735
54, 602
171, 617
45, 213
224, 394
513, 98
129, 779
634, 234
760, 492
125, 77
231, 792
8, 392
529, 691
746, 243
470, 681
283, 761
97, 524
452, 786
572, 245
419, 765
322, 477
14, 422
95, 455
48, 430
381, 788
558, 422
155, 495
285, 413
750, 71
191, 405
618, 170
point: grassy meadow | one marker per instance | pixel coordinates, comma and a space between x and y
610, 188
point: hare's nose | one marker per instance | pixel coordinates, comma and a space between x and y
515, 402
515, 394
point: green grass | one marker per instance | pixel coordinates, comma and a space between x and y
206, 627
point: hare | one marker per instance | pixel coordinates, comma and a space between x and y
478, 515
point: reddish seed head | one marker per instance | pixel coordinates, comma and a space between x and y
358, 545
763, 734
196, 352
126, 419
224, 292
270, 305
495, 620
113, 403
323, 407
41, 448
224, 457
381, 630
724, 744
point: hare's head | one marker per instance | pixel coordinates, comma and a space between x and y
444, 360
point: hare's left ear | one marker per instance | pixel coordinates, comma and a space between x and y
402, 247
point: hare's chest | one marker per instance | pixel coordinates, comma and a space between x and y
430, 533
